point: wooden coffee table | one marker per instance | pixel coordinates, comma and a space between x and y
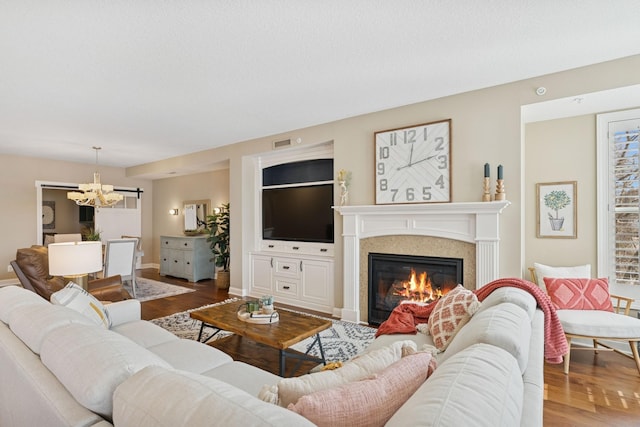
289, 330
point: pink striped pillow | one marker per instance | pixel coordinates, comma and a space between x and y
579, 294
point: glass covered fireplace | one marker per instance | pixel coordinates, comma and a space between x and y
394, 278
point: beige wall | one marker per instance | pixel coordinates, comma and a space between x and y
171, 193
562, 150
486, 128
18, 176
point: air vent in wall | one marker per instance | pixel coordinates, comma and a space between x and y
281, 144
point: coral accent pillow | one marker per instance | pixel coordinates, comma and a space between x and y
450, 314
579, 294
370, 402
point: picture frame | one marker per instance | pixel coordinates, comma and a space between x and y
556, 210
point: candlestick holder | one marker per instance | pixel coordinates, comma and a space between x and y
486, 189
500, 193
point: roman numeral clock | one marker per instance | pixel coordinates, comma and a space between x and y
413, 164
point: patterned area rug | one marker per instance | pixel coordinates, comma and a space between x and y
148, 289
341, 342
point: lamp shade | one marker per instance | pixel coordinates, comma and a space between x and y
75, 258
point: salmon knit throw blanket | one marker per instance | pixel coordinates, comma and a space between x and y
405, 317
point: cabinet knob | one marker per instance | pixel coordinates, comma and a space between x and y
175, 260
188, 263
185, 243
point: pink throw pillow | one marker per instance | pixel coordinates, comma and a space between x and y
450, 314
579, 294
370, 402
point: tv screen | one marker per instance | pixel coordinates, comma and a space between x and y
298, 213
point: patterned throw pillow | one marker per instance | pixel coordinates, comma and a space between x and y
76, 298
450, 314
579, 294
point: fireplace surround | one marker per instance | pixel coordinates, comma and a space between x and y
471, 222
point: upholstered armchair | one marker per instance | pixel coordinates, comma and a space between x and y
585, 309
32, 268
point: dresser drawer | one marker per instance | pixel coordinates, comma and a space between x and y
287, 287
177, 243
286, 267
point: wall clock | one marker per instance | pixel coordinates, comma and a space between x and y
413, 164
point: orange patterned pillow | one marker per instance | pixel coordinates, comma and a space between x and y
450, 314
579, 294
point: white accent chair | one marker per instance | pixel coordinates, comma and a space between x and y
120, 258
595, 325
61, 238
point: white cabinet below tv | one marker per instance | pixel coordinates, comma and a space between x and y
303, 281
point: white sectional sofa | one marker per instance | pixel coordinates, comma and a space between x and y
59, 369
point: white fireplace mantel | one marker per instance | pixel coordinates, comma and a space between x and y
473, 222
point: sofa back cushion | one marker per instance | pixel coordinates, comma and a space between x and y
32, 323
91, 362
12, 297
157, 397
488, 373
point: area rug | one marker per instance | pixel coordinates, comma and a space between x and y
149, 289
341, 342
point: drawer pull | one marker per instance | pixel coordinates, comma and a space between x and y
323, 250
286, 288
285, 267
300, 265
295, 248
271, 246
271, 262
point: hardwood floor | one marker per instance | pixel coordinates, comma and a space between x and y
601, 389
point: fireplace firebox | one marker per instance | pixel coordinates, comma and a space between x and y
394, 278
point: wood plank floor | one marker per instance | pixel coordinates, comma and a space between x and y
601, 389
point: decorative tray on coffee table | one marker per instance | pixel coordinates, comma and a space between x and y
257, 316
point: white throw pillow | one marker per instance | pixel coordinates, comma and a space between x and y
76, 298
289, 390
575, 272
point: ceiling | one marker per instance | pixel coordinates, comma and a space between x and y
148, 79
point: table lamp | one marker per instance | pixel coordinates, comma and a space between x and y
75, 260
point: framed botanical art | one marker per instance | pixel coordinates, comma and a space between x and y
556, 210
413, 164
48, 215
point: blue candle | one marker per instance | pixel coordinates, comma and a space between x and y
486, 170
500, 172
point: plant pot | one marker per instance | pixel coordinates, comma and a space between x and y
223, 279
556, 224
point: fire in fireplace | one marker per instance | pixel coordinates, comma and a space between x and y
395, 278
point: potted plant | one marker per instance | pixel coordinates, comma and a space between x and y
218, 225
93, 235
556, 200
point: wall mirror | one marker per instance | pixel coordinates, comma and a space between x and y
195, 216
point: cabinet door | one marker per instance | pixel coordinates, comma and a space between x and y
261, 274
176, 262
317, 282
165, 262
188, 264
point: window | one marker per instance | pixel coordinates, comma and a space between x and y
618, 174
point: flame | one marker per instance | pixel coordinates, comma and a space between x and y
418, 288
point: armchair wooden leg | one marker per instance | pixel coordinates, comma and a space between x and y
567, 356
595, 345
634, 351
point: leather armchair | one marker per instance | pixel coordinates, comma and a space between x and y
32, 268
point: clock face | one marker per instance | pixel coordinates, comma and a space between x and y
413, 165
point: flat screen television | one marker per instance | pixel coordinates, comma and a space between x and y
300, 214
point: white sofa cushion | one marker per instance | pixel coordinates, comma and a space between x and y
157, 397
243, 376
517, 296
479, 386
505, 325
144, 333
32, 323
91, 362
190, 356
12, 297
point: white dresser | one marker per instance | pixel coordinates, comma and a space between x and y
188, 257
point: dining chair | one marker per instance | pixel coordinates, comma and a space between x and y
610, 324
120, 258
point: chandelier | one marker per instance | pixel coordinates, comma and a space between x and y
95, 193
